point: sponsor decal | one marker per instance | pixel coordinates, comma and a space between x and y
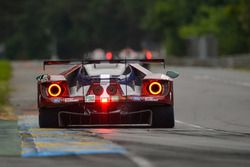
56, 101
136, 98
151, 99
90, 99
104, 82
114, 98
68, 100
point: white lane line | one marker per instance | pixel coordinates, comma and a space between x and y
191, 125
231, 82
139, 161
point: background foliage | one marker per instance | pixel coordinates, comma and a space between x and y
4, 84
36, 29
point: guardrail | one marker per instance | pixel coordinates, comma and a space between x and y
237, 61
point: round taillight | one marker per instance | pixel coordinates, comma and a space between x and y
98, 90
112, 90
148, 55
155, 88
109, 55
54, 90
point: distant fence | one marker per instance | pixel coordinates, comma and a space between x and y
236, 61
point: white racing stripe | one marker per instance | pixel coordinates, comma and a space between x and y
105, 76
104, 82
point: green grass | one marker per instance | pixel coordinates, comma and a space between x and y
245, 69
5, 75
9, 140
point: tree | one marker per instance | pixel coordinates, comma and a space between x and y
221, 21
37, 29
163, 19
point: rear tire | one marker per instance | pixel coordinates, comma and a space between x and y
48, 118
163, 117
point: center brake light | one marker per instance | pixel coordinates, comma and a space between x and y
104, 100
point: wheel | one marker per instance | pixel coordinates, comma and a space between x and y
163, 117
48, 118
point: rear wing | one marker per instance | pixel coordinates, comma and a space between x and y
83, 62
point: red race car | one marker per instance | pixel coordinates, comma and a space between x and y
110, 93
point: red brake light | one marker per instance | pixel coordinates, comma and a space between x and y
109, 55
104, 100
148, 55
54, 90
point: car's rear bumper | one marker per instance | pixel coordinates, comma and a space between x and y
79, 100
117, 118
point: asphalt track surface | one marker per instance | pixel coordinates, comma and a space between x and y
212, 109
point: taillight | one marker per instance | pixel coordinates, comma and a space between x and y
148, 55
109, 55
155, 88
54, 90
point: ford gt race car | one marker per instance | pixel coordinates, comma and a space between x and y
106, 93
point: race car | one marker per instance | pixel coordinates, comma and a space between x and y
100, 54
106, 93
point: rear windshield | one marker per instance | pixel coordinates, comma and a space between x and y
98, 69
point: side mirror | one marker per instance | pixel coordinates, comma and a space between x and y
38, 78
43, 77
172, 74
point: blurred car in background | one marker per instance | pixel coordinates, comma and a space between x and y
100, 54
129, 53
126, 53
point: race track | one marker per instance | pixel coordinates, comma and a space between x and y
212, 109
